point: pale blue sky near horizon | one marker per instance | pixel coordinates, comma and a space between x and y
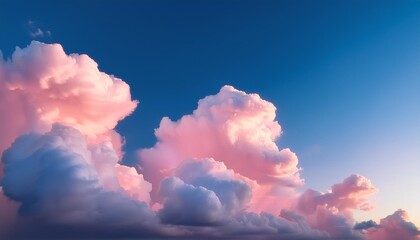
344, 75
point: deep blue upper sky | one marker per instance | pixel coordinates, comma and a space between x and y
344, 75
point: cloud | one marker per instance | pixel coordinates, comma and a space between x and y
394, 226
35, 31
39, 33
365, 225
250, 225
53, 180
133, 183
347, 195
8, 209
232, 127
215, 173
53, 176
188, 205
41, 85
232, 190
332, 211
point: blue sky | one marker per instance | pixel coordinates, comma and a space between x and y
343, 75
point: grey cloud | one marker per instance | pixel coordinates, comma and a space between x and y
51, 176
186, 204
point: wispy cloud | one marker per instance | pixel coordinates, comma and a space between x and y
35, 31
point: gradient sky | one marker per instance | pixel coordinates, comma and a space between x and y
344, 75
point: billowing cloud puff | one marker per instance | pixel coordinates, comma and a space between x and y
185, 204
133, 183
394, 226
336, 224
205, 192
348, 195
233, 192
236, 128
116, 177
41, 85
331, 211
54, 176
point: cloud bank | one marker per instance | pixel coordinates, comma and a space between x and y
215, 173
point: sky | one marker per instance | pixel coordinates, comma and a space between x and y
340, 77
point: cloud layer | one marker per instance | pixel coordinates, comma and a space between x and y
215, 173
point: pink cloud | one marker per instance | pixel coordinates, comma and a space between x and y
41, 85
347, 195
133, 183
233, 127
332, 211
394, 226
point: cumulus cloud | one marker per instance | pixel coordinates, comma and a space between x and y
188, 205
41, 85
235, 128
394, 226
133, 183
347, 195
53, 176
332, 211
232, 190
215, 173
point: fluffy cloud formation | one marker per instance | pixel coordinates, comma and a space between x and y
348, 195
133, 183
41, 85
237, 129
188, 205
231, 126
216, 173
394, 226
231, 189
53, 176
332, 211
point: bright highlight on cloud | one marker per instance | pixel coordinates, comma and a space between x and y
215, 173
